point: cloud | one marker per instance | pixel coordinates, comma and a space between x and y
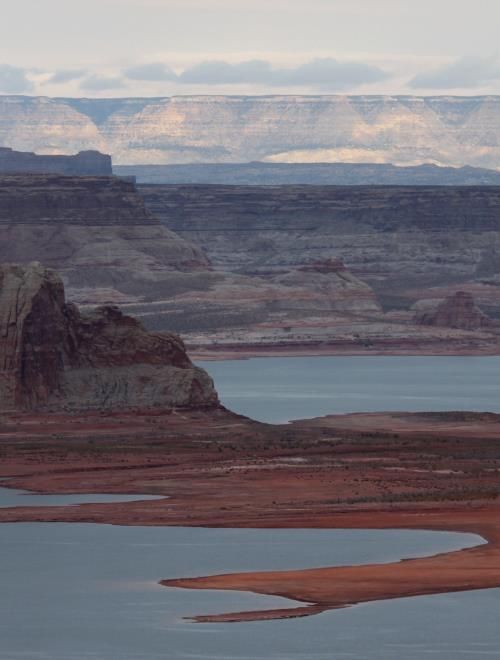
218, 72
323, 73
14, 80
328, 72
469, 71
66, 75
97, 83
154, 71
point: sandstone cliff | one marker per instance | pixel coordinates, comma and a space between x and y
84, 163
53, 356
403, 130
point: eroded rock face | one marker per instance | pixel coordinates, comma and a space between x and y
54, 356
457, 311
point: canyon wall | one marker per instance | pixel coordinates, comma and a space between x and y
403, 130
407, 243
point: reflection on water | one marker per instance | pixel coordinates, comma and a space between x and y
280, 389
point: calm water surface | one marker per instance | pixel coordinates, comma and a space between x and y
76, 591
90, 592
280, 389
13, 497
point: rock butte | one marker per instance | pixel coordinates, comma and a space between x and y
456, 311
53, 356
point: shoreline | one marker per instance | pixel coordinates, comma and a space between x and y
336, 587
248, 351
358, 471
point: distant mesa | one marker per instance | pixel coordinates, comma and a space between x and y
54, 356
84, 163
402, 130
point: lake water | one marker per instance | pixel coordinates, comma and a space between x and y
285, 388
86, 591
90, 592
13, 497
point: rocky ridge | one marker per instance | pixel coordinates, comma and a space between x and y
402, 130
54, 356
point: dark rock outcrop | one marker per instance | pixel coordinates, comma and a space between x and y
52, 356
457, 311
84, 163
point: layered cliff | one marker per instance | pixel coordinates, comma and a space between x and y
408, 243
403, 130
53, 356
84, 163
97, 233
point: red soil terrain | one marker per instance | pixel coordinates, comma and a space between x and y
436, 471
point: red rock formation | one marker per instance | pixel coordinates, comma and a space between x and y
52, 355
456, 311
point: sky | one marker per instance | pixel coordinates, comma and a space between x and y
116, 48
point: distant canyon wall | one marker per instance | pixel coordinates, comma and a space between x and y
403, 130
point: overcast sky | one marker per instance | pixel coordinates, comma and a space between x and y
108, 48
